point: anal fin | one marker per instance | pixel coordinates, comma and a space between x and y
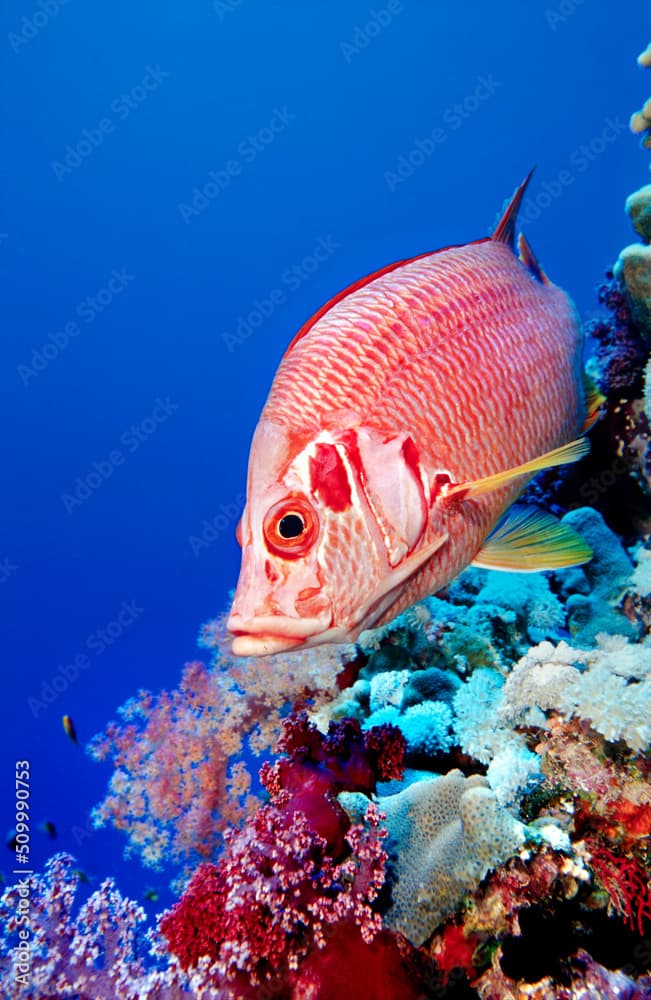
527, 540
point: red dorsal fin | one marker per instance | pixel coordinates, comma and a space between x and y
528, 258
505, 230
348, 291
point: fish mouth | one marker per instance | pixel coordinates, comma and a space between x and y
271, 634
247, 644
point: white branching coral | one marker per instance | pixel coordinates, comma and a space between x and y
609, 686
511, 771
487, 735
475, 707
641, 575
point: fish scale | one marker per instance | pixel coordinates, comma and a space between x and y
501, 314
389, 422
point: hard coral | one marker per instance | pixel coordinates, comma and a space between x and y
638, 208
445, 834
633, 267
607, 574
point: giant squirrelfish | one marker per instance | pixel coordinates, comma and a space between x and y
404, 419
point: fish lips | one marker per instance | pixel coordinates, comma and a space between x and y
268, 634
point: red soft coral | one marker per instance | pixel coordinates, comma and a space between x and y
627, 884
317, 767
274, 897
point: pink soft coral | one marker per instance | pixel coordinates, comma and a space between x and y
298, 876
181, 775
273, 898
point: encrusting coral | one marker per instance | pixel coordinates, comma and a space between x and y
444, 835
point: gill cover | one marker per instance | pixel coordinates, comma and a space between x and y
328, 535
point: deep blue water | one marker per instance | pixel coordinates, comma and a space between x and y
182, 185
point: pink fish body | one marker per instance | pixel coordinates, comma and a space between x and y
403, 421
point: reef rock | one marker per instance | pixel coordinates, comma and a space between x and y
608, 574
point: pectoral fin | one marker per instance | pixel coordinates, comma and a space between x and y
527, 540
567, 453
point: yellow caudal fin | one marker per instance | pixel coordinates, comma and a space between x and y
594, 400
567, 453
527, 540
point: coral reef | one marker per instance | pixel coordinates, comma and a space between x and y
511, 859
101, 952
453, 687
289, 891
180, 758
444, 835
272, 899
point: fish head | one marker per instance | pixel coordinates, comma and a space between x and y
328, 537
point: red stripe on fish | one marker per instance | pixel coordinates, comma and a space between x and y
329, 479
410, 455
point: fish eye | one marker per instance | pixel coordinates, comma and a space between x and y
291, 527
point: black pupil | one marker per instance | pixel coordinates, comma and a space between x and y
291, 526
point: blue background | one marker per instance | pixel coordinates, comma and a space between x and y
354, 101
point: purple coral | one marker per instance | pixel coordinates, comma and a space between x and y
97, 955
